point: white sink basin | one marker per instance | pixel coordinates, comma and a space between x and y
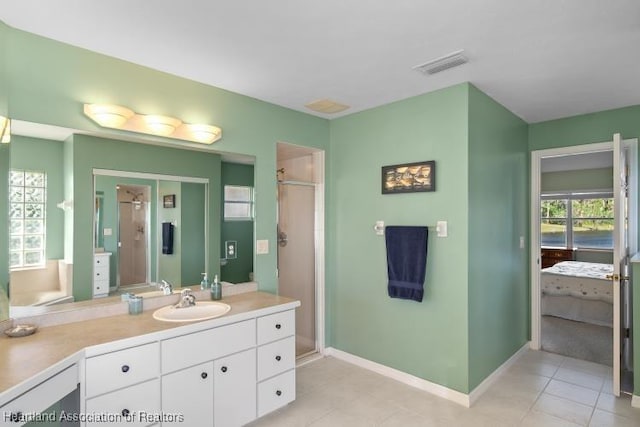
203, 310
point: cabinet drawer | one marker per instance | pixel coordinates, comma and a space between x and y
40, 397
276, 326
276, 357
100, 287
101, 273
141, 402
199, 347
122, 368
100, 261
276, 392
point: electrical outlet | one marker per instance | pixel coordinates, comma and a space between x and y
441, 228
262, 247
230, 249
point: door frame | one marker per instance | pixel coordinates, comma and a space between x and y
536, 158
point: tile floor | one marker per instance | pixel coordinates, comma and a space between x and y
540, 389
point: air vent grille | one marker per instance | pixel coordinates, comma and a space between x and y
451, 60
326, 106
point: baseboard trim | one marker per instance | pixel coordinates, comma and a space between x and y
460, 398
492, 378
403, 377
635, 401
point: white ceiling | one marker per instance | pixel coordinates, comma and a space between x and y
542, 59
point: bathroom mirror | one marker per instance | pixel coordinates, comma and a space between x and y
73, 222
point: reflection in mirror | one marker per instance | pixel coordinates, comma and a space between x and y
4, 238
147, 230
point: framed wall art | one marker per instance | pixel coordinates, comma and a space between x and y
409, 177
169, 201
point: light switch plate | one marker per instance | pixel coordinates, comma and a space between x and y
262, 247
521, 242
441, 228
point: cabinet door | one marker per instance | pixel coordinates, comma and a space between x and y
187, 397
234, 385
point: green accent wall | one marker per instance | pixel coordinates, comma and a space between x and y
192, 220
93, 152
236, 270
498, 217
587, 179
170, 265
585, 129
33, 154
49, 81
428, 339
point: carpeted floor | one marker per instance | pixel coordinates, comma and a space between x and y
577, 339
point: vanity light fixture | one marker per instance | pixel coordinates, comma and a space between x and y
5, 130
118, 117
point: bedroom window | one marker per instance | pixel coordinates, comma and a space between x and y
577, 220
238, 203
27, 209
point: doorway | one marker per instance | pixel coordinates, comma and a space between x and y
133, 234
583, 231
300, 228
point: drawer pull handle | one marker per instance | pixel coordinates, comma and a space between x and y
204, 375
125, 368
278, 393
223, 369
125, 412
16, 417
278, 326
278, 358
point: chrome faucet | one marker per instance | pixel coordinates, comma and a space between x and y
187, 299
167, 288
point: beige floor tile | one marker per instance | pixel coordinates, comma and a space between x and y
577, 393
542, 356
602, 418
587, 367
405, 418
509, 409
562, 408
618, 405
580, 378
372, 408
339, 418
534, 367
540, 419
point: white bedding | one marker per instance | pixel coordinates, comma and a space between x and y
585, 280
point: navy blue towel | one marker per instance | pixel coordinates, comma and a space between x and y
167, 238
406, 261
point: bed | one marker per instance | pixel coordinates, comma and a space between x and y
578, 291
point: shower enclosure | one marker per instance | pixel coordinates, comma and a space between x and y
133, 235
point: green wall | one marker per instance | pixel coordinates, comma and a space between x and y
42, 155
170, 265
236, 270
590, 128
49, 81
498, 218
427, 339
192, 211
587, 179
93, 152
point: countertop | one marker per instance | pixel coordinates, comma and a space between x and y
26, 357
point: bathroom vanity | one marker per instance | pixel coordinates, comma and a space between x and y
135, 370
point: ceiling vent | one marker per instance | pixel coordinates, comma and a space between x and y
443, 63
326, 106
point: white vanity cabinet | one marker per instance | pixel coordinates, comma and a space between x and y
101, 274
224, 376
39, 398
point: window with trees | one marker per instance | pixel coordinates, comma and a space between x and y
27, 210
577, 220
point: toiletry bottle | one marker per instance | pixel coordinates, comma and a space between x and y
216, 289
205, 282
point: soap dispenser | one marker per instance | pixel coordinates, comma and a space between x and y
216, 289
205, 282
